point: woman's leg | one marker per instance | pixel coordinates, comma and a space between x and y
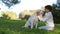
46, 27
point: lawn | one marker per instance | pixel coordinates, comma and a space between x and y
15, 27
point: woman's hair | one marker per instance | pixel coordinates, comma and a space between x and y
48, 7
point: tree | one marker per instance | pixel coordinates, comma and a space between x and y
56, 14
9, 3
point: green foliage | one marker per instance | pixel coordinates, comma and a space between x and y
56, 13
15, 1
5, 16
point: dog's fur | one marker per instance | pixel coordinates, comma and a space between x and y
32, 21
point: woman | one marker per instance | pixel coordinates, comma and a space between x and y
47, 18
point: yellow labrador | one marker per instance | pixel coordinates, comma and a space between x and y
33, 20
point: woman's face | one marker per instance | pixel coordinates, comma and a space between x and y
46, 10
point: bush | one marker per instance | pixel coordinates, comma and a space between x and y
5, 16
56, 14
27, 17
9, 15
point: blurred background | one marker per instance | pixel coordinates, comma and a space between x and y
23, 9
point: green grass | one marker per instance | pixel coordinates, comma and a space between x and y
15, 27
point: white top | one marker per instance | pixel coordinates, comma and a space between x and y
48, 18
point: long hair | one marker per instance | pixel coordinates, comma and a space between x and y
43, 13
47, 7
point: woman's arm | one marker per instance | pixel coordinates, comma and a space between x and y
47, 16
41, 18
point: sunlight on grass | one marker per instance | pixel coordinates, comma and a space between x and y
15, 27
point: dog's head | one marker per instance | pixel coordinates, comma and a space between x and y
40, 12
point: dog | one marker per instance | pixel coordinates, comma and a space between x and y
33, 20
